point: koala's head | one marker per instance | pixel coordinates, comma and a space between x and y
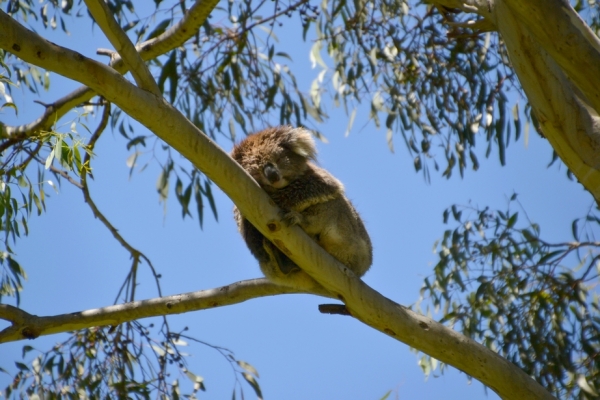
276, 156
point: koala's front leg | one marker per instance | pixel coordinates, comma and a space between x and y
292, 217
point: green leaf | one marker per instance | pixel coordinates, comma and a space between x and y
198, 381
512, 220
417, 163
481, 290
575, 230
387, 395
249, 368
162, 184
517, 121
26, 349
474, 160
199, 202
58, 148
211, 199
500, 123
585, 386
77, 160
49, 159
252, 381
15, 267
22, 366
186, 200
135, 141
169, 71
549, 256
315, 55
22, 181
159, 29
455, 213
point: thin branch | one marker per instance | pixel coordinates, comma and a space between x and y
52, 113
235, 36
593, 264
64, 174
117, 37
8, 143
83, 185
135, 254
28, 326
31, 156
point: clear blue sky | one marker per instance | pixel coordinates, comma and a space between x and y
74, 264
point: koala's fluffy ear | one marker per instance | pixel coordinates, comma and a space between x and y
302, 143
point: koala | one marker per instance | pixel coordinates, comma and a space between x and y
281, 159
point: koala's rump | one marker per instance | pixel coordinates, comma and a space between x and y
336, 226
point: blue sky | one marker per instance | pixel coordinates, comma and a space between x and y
74, 264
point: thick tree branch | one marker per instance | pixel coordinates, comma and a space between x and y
362, 302
27, 326
568, 116
175, 36
117, 37
557, 60
557, 27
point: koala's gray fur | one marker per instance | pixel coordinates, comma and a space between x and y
279, 159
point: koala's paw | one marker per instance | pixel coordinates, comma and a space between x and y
290, 218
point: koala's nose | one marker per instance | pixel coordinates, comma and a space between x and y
271, 173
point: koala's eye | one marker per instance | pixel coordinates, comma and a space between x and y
279, 158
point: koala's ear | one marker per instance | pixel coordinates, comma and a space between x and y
302, 143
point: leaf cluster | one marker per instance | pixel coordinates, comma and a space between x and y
234, 73
119, 362
23, 166
439, 87
532, 301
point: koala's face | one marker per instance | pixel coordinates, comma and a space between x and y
277, 169
275, 156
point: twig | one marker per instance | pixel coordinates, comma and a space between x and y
64, 174
31, 156
135, 254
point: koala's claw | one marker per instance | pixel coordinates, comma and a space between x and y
290, 218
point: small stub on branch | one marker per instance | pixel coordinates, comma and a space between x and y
333, 309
